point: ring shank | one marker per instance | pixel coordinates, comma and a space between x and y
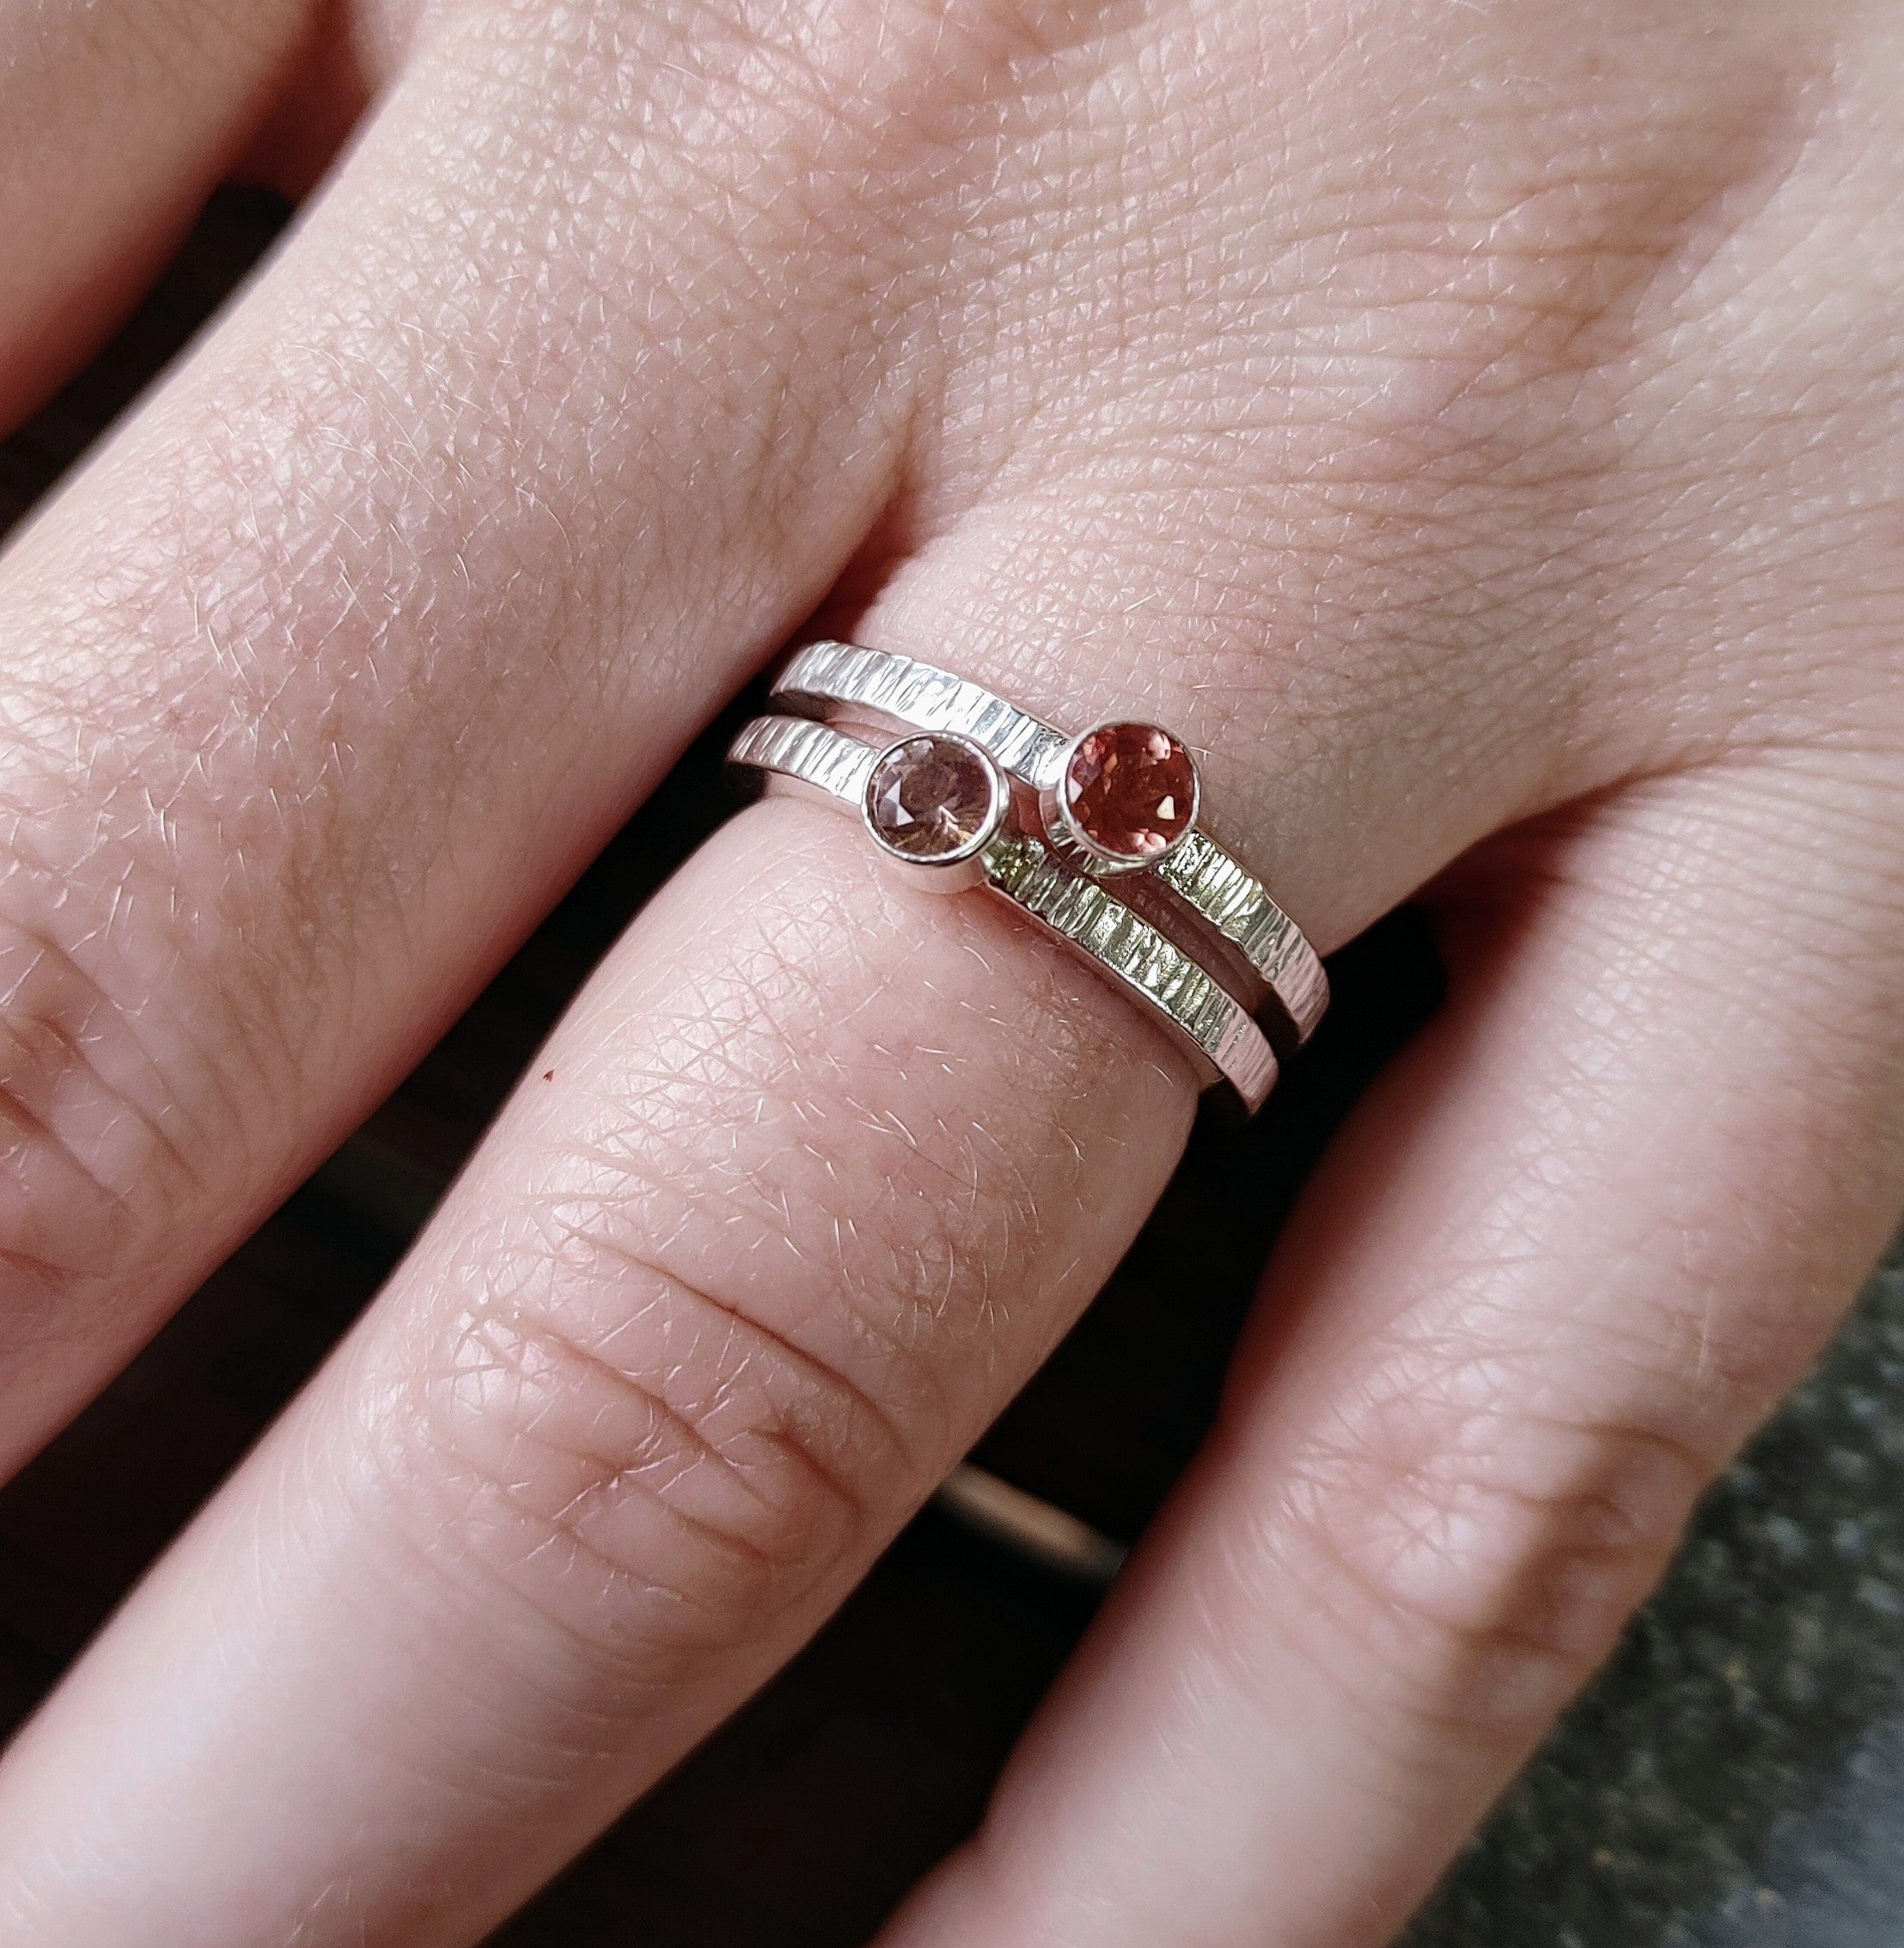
886, 687
820, 761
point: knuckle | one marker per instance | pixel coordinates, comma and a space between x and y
1471, 1547
99, 1142
674, 1384
637, 1459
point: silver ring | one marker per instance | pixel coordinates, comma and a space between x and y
834, 679
939, 806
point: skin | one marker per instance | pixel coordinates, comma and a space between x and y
1480, 429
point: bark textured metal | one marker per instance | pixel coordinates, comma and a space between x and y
838, 679
816, 759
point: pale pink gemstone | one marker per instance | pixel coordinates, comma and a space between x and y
1131, 789
930, 797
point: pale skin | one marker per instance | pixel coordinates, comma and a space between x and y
1479, 428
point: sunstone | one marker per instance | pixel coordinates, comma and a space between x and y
932, 798
1130, 790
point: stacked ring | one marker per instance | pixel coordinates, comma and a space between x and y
940, 807
961, 789
1115, 798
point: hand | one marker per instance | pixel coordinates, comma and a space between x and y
1480, 429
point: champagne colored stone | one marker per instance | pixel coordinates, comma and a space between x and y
931, 798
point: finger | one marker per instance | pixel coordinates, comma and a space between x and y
809, 1181
119, 119
324, 679
1568, 1255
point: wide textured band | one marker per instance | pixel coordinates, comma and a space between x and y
1220, 1033
832, 677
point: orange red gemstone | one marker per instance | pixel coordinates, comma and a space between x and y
1130, 790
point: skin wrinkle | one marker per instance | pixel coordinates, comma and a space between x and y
553, 1374
1453, 1587
642, 1652
26, 1022
90, 1164
588, 1232
384, 1476
625, 1221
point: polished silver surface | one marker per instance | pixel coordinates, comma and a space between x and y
844, 677
816, 759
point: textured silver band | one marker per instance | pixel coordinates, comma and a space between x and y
1136, 957
831, 676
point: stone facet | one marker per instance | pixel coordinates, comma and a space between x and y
1130, 790
934, 799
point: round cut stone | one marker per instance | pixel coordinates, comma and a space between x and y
934, 799
1130, 790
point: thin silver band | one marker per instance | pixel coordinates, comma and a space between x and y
827, 676
1119, 943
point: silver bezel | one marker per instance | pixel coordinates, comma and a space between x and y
950, 872
1075, 846
835, 681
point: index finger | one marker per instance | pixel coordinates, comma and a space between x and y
324, 679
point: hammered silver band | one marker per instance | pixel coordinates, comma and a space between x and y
829, 678
1223, 1038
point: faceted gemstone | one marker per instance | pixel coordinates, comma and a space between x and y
931, 798
1131, 789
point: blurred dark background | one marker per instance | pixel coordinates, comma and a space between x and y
1736, 1778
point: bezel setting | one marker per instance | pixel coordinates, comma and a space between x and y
1086, 835
957, 805
886, 693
